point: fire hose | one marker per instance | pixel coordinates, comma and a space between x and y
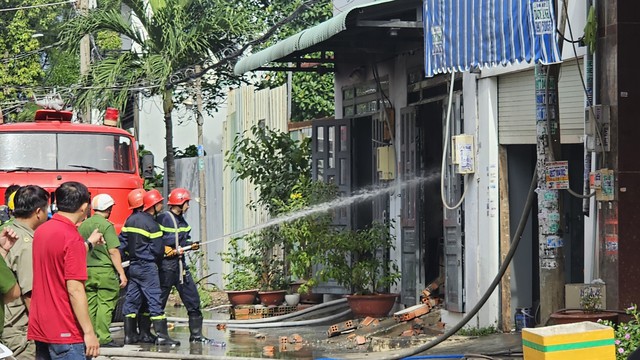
180, 250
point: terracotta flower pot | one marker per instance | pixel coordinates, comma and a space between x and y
575, 316
268, 298
242, 297
377, 305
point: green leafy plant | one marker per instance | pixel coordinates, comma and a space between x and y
481, 331
304, 237
243, 276
358, 259
258, 266
591, 298
198, 266
627, 334
270, 160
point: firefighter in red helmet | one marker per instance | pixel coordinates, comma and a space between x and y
174, 271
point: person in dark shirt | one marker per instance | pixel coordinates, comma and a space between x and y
144, 243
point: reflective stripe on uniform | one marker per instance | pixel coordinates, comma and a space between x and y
173, 230
142, 232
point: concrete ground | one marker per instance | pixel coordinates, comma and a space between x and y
376, 341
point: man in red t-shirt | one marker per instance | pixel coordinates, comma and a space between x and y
59, 318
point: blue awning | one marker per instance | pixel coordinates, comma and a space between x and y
463, 34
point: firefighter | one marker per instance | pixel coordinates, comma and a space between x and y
174, 270
144, 240
135, 200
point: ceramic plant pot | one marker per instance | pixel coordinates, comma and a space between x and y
242, 297
377, 305
575, 316
269, 298
292, 299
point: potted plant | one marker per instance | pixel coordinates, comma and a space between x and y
627, 334
241, 285
304, 238
267, 255
590, 308
292, 298
358, 260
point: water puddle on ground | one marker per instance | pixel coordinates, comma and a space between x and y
238, 343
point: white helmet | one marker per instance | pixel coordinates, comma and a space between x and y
102, 202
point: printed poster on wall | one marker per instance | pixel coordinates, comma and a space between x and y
558, 175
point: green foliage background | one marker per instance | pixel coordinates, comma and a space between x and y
312, 93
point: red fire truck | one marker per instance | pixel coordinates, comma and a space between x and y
53, 149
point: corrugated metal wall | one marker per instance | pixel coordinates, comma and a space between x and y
187, 177
246, 107
516, 106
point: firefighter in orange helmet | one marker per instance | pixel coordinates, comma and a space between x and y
144, 242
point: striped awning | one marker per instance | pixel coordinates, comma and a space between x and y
464, 34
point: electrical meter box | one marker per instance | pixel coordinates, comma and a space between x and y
463, 153
386, 168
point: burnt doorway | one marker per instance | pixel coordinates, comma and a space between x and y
422, 212
431, 209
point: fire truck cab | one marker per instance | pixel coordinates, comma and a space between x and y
53, 149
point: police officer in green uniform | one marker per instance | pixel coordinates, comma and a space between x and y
104, 269
30, 211
9, 289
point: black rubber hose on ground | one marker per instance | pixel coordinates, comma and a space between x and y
515, 240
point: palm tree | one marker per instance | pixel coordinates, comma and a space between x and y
170, 38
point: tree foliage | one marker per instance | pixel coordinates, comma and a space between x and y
312, 93
20, 58
170, 38
272, 161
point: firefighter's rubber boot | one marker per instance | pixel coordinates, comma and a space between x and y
130, 325
144, 325
195, 327
160, 326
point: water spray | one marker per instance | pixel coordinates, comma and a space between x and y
320, 208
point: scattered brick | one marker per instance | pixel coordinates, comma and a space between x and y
283, 340
375, 322
409, 332
411, 312
360, 340
367, 321
351, 336
295, 339
269, 350
337, 329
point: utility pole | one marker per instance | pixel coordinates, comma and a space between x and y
550, 241
202, 188
85, 57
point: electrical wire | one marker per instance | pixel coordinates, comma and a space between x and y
37, 6
444, 153
584, 87
567, 40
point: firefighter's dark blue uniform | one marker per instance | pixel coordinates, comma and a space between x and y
144, 244
169, 270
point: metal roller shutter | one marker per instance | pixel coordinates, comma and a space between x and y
516, 106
